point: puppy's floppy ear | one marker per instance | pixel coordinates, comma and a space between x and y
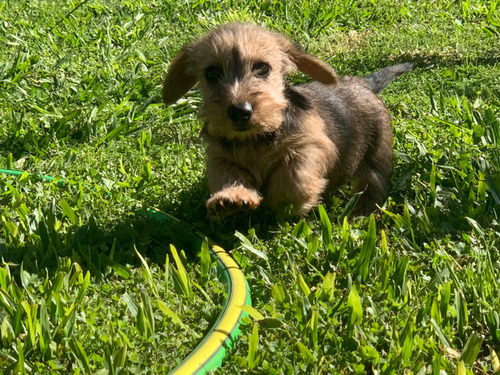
178, 80
310, 65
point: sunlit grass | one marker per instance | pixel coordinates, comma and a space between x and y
87, 284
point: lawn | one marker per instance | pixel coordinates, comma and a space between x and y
88, 284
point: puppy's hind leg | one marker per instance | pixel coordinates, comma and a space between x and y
300, 188
372, 180
302, 181
373, 188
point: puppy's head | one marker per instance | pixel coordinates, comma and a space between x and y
241, 72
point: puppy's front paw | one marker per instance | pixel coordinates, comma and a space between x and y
231, 200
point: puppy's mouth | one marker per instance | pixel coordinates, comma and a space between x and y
242, 127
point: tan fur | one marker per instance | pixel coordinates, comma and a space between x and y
302, 177
273, 144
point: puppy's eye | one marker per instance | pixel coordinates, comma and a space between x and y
213, 74
261, 69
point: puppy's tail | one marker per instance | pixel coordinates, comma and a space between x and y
379, 80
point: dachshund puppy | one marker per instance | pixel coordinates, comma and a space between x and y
276, 144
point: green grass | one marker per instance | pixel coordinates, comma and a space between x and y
88, 285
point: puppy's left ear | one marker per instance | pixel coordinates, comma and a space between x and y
178, 81
310, 65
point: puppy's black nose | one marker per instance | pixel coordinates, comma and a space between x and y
240, 114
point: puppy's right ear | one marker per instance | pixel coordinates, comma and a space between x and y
310, 65
178, 81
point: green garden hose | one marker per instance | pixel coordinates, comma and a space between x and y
19, 174
211, 351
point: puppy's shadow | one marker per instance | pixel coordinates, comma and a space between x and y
99, 247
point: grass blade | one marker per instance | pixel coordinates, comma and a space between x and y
30, 320
303, 287
131, 305
147, 272
326, 227
493, 182
80, 355
253, 312
462, 312
68, 211
367, 250
440, 334
83, 288
170, 313
461, 370
149, 319
119, 269
247, 245
495, 362
354, 302
6, 332
20, 358
313, 327
253, 346
205, 261
180, 274
166, 275
471, 349
328, 285
306, 353
45, 336
120, 356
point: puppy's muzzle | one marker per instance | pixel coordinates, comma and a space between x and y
240, 115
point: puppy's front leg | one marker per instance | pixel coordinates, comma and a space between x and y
232, 189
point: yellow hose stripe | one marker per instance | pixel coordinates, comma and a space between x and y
238, 296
